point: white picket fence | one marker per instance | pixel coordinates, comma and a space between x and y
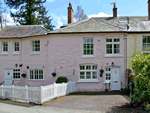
37, 94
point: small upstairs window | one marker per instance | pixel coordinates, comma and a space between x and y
113, 46
146, 44
16, 46
5, 47
36, 46
88, 46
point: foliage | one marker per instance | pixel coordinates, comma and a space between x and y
30, 12
141, 67
126, 89
148, 107
61, 80
79, 15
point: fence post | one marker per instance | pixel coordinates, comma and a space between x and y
13, 92
2, 92
26, 89
41, 94
63, 89
55, 89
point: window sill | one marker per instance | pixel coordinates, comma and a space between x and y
88, 80
88, 56
107, 81
115, 56
4, 53
36, 79
16, 53
34, 53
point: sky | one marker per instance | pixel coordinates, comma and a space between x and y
92, 8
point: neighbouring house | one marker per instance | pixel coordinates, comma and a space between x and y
78, 50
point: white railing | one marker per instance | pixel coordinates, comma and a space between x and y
37, 94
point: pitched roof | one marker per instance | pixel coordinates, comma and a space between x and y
141, 26
100, 24
22, 31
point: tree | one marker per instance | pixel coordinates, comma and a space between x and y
79, 15
30, 12
42, 18
141, 67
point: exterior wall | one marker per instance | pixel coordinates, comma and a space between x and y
134, 44
63, 54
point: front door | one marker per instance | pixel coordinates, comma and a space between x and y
115, 78
8, 77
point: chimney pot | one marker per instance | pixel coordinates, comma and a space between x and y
114, 10
148, 9
70, 14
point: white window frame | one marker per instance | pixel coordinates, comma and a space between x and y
16, 71
86, 55
113, 54
33, 51
145, 43
107, 72
34, 74
91, 70
3, 46
16, 46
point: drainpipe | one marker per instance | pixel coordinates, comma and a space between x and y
125, 55
20, 60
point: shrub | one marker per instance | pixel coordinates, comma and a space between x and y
141, 67
61, 80
148, 107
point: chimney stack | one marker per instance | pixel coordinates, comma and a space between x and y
148, 9
70, 14
114, 10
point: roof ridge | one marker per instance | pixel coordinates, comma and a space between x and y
78, 22
25, 26
108, 24
119, 16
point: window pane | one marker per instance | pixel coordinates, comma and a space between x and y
88, 67
116, 40
94, 75
91, 46
81, 75
81, 67
88, 75
148, 39
84, 40
144, 39
40, 71
144, 47
84, 46
108, 40
88, 52
94, 67
148, 46
91, 52
91, 40
40, 76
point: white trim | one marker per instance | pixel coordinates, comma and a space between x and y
88, 56
110, 56
4, 53
13, 74
91, 70
34, 75
15, 46
16, 53
106, 54
145, 44
96, 80
34, 53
